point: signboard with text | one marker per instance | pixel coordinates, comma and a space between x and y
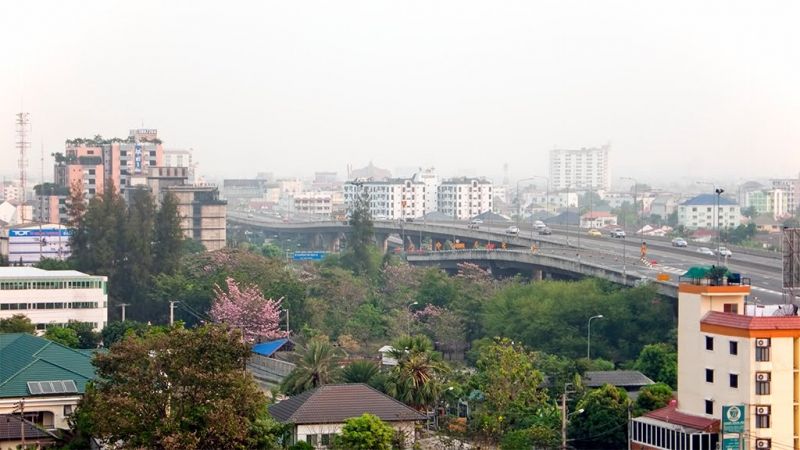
29, 245
308, 256
733, 419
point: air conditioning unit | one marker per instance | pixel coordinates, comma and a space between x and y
762, 410
764, 342
763, 443
762, 376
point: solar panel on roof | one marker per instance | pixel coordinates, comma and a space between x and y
34, 388
69, 386
58, 387
47, 387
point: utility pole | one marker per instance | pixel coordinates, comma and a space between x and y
20, 405
123, 305
172, 312
564, 415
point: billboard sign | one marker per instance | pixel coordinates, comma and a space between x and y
733, 419
729, 443
308, 256
30, 245
137, 158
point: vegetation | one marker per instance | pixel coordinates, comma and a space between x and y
367, 432
317, 364
18, 323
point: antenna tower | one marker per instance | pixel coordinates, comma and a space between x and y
23, 144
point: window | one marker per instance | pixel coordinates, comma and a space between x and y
312, 439
762, 349
326, 439
762, 416
709, 375
734, 347
710, 407
709, 343
731, 308
734, 380
762, 383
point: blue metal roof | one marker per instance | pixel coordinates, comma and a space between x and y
269, 348
709, 199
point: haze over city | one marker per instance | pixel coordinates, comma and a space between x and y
681, 89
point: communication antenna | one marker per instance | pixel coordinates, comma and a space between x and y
23, 144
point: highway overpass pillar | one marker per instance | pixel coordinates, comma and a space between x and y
382, 241
536, 275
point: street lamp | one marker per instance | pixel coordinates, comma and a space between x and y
408, 328
589, 336
635, 196
719, 192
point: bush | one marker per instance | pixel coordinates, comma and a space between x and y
302, 445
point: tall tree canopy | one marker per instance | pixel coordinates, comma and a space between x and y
246, 308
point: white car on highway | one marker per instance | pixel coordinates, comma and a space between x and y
705, 251
475, 223
513, 229
723, 251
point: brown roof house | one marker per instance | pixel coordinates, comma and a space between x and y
319, 414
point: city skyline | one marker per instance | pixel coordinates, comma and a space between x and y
691, 90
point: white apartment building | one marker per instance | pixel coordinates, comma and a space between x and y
392, 199
791, 187
317, 203
728, 356
583, 169
774, 202
431, 180
699, 212
174, 157
53, 297
463, 198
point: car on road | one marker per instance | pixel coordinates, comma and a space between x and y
475, 224
513, 229
381, 217
617, 233
545, 231
539, 225
705, 251
594, 232
723, 251
679, 242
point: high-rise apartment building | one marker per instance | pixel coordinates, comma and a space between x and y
431, 180
392, 199
791, 188
774, 202
728, 356
583, 169
464, 198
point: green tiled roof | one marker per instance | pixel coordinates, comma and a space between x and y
24, 358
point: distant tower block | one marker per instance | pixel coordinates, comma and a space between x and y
505, 174
23, 144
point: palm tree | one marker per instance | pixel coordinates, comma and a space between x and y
360, 372
416, 380
317, 364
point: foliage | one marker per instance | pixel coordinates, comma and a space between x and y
548, 317
604, 417
537, 436
417, 377
360, 256
118, 330
302, 445
652, 397
316, 365
659, 362
270, 250
740, 234
367, 432
512, 390
246, 308
444, 327
87, 337
176, 390
54, 264
362, 371
168, 236
191, 247
62, 335
18, 323
750, 212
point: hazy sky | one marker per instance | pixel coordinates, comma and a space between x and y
704, 89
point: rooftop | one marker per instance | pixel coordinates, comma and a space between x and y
33, 272
670, 414
756, 323
12, 425
619, 378
335, 403
709, 199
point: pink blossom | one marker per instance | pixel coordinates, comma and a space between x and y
247, 309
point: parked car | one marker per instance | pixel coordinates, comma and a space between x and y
679, 242
545, 231
723, 251
705, 251
475, 224
618, 233
594, 232
513, 229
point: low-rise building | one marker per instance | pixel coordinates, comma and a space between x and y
318, 415
699, 212
464, 198
46, 378
27, 245
392, 199
53, 297
203, 214
598, 219
774, 202
316, 203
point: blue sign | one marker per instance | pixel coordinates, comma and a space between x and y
44, 232
308, 256
137, 158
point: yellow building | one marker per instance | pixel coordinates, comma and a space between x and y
728, 356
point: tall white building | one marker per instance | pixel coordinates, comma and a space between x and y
774, 202
53, 297
463, 198
791, 188
584, 169
392, 199
431, 181
699, 212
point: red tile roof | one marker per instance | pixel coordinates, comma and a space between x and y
751, 322
670, 414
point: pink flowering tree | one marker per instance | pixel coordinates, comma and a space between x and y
246, 308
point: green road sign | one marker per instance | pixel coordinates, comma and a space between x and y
731, 444
733, 419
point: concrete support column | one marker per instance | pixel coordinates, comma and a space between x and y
383, 241
536, 275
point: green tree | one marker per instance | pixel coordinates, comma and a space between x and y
62, 335
54, 264
361, 371
660, 363
652, 397
367, 432
176, 390
117, 330
87, 337
604, 418
417, 378
191, 247
750, 212
360, 256
18, 323
316, 364
168, 236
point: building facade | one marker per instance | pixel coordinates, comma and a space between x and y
203, 214
773, 202
583, 169
464, 198
699, 212
53, 297
392, 199
791, 187
316, 203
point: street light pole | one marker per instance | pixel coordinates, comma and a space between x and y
719, 192
408, 328
589, 336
